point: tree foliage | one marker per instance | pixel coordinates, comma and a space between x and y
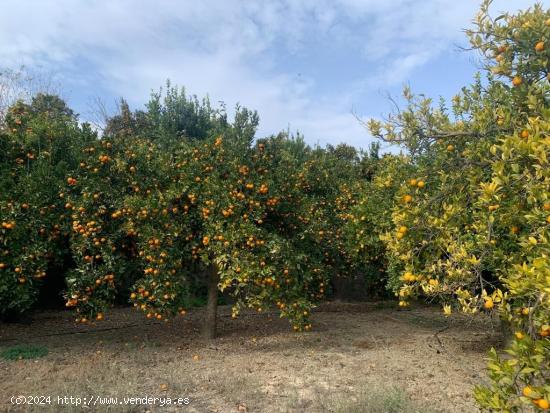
470, 217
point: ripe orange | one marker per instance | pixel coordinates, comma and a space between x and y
450, 148
527, 391
421, 184
524, 134
546, 207
407, 198
489, 304
539, 47
413, 182
517, 81
543, 404
519, 335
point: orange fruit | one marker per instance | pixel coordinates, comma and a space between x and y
524, 134
450, 148
488, 304
519, 335
517, 81
539, 47
433, 282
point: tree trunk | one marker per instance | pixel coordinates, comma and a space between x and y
209, 331
506, 333
338, 288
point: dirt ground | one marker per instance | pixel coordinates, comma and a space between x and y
257, 364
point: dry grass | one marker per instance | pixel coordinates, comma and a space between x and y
376, 399
360, 358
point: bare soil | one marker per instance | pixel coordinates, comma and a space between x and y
257, 364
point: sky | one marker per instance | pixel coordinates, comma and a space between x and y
304, 65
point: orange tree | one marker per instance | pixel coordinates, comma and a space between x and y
245, 221
103, 240
175, 207
132, 163
371, 217
328, 183
469, 220
39, 144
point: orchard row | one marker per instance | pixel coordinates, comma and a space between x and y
177, 197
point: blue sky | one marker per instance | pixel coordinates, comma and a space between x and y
303, 64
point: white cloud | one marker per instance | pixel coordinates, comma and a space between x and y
232, 49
